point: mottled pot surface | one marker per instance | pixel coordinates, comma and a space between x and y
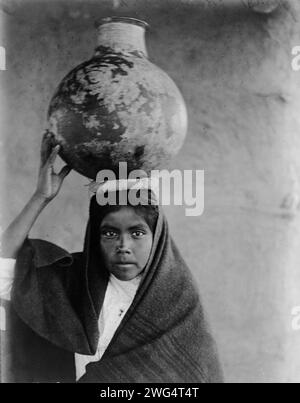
118, 106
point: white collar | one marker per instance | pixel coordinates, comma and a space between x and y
127, 287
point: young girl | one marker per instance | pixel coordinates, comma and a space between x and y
126, 309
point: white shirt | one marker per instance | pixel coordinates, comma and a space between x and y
118, 298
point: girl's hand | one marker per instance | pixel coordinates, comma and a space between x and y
49, 182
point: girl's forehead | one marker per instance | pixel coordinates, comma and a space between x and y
125, 216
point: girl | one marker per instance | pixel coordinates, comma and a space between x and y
126, 309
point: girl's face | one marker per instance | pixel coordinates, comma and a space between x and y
125, 241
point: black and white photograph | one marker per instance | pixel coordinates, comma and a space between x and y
150, 194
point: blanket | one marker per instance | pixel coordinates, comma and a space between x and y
163, 337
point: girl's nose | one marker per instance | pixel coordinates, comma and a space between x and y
124, 245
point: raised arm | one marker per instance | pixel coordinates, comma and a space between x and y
48, 186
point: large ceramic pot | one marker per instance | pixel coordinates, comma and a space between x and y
118, 106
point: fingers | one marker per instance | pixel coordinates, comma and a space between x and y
64, 172
53, 155
49, 152
47, 146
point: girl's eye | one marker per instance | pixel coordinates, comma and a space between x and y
109, 234
138, 234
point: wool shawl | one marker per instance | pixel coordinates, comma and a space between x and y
163, 337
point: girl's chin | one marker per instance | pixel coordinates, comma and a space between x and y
124, 278
125, 275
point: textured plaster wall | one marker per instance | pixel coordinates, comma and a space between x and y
233, 67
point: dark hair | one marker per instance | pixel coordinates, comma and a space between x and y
148, 211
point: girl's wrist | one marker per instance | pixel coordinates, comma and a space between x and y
39, 199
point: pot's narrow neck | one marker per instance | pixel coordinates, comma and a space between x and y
123, 37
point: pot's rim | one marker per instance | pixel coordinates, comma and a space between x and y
126, 20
